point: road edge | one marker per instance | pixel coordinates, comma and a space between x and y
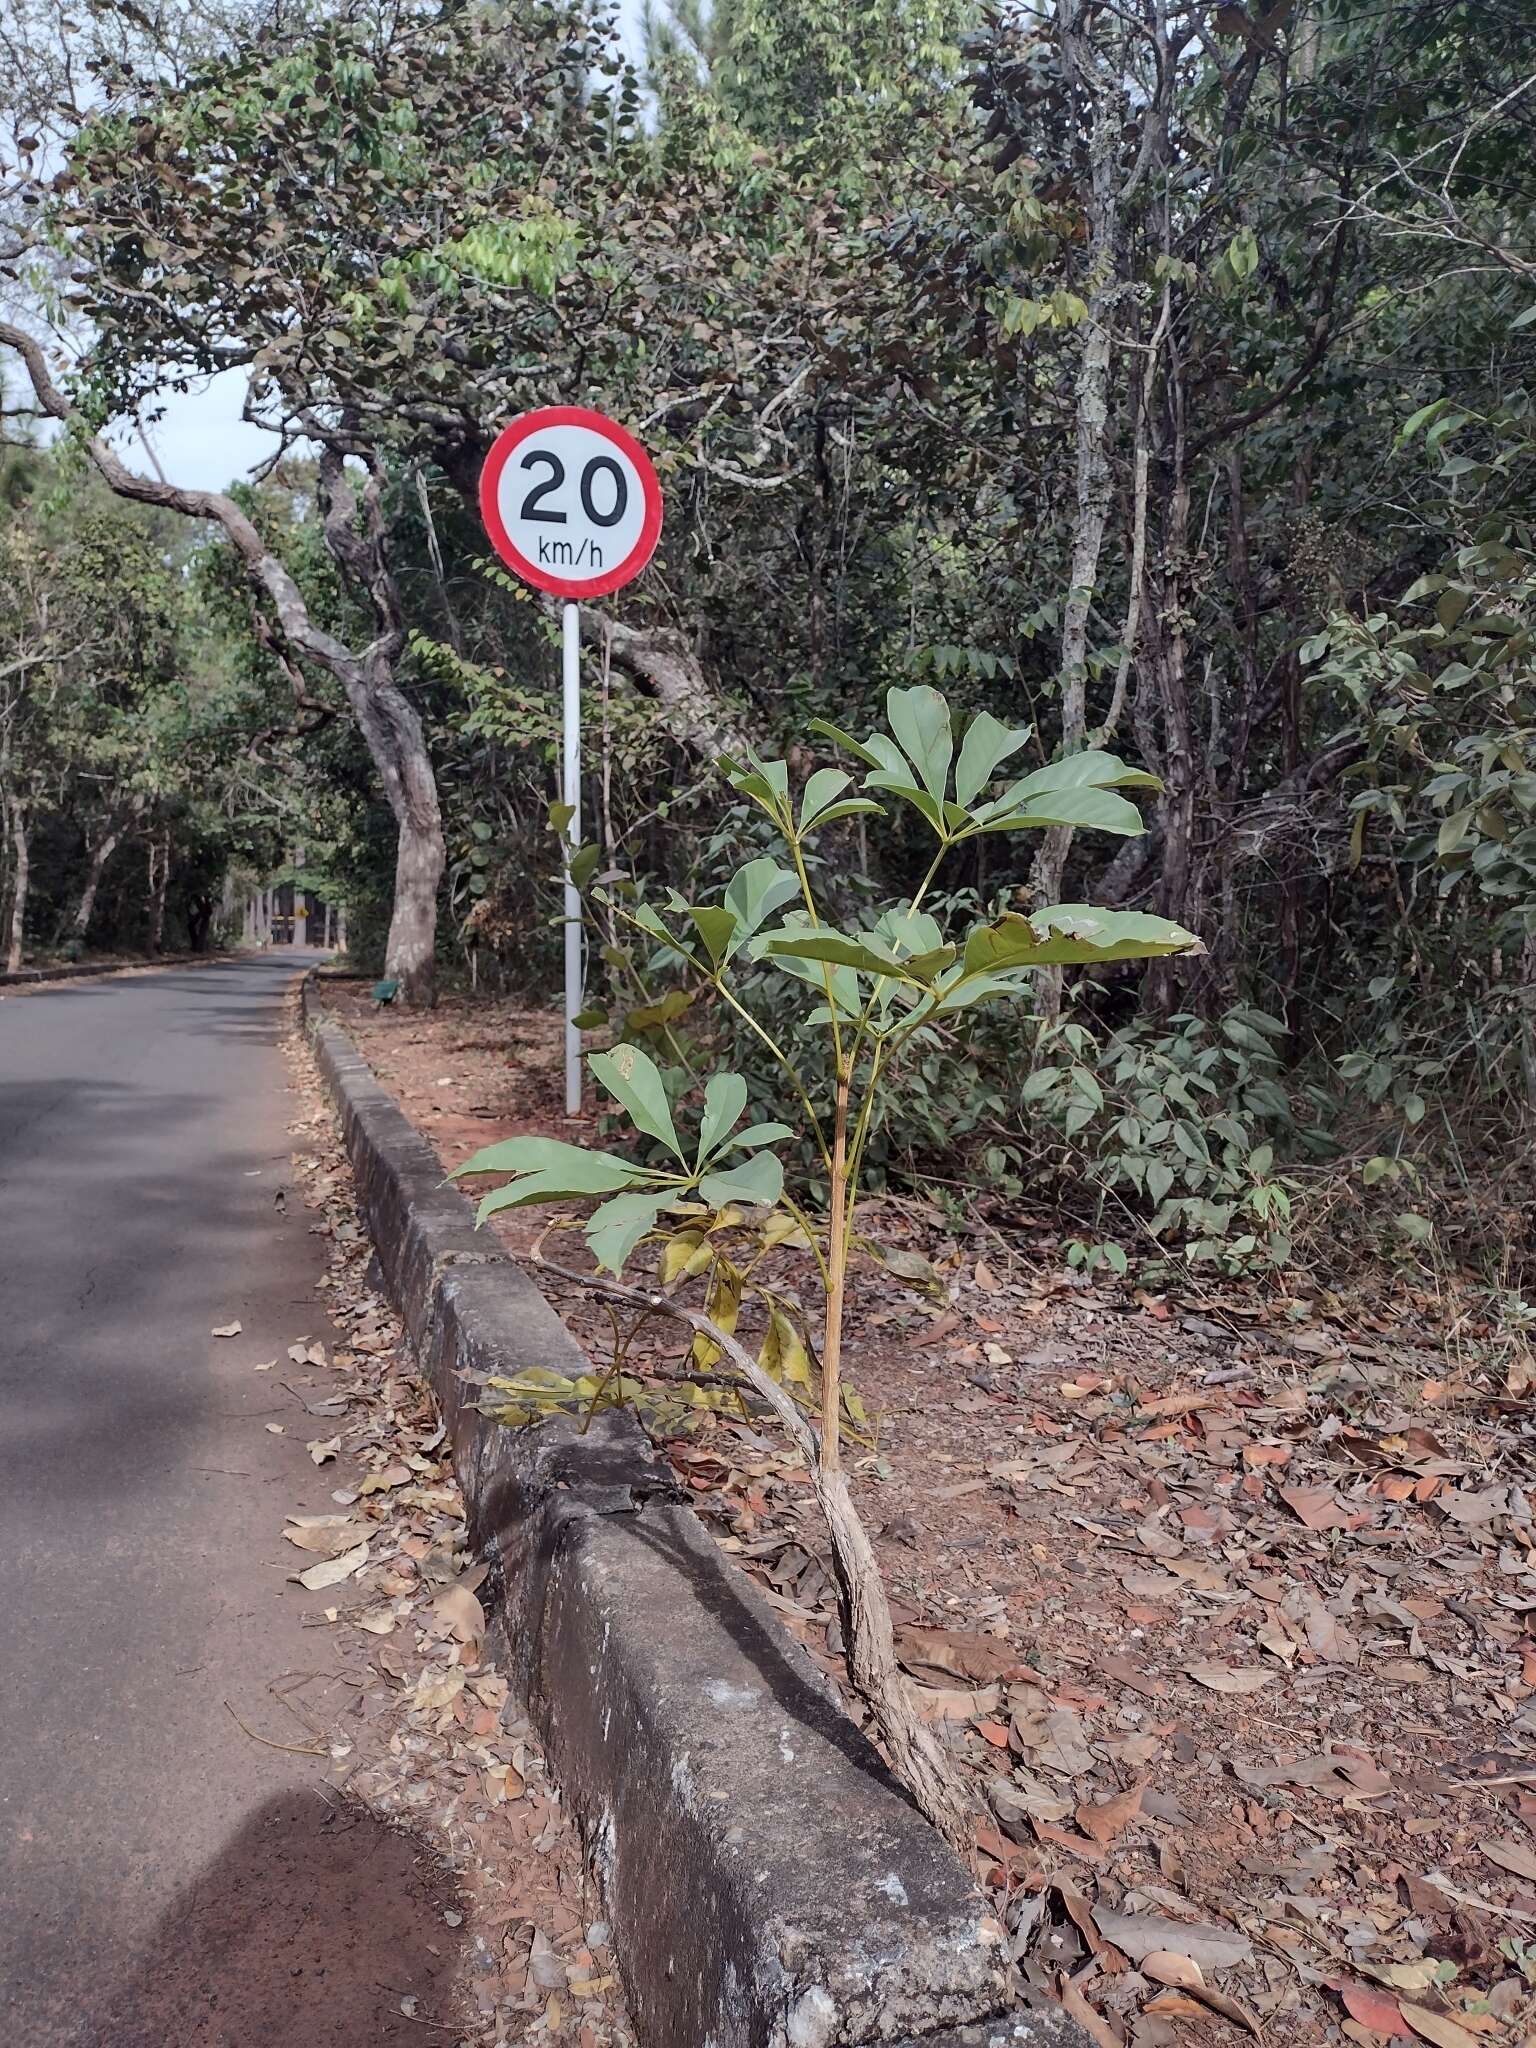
767, 1880
82, 970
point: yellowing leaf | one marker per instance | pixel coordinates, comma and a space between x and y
784, 1356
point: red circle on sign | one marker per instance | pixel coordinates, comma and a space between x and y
506, 444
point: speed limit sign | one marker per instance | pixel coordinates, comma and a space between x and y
572, 505
570, 501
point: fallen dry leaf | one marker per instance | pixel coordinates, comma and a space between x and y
1372, 2008
1143, 1934
1074, 2003
380, 1482
462, 1612
334, 1569
378, 1621
436, 1688
957, 1653
1315, 1507
326, 1535
1511, 1856
226, 1330
1221, 1678
1106, 1819
1163, 1967
1436, 2027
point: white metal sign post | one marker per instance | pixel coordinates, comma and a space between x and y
572, 505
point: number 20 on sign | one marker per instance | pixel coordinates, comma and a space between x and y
571, 503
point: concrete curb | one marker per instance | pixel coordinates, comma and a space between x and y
82, 970
769, 1884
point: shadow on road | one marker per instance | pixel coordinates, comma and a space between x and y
306, 1932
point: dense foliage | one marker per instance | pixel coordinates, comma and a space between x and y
1152, 380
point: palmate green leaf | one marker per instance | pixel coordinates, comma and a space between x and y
590, 1173
757, 1134
1073, 934
919, 717
1091, 769
725, 1097
967, 991
716, 926
909, 933
987, 744
755, 892
766, 782
634, 1081
853, 807
759, 1179
834, 947
858, 748
1100, 809
900, 783
617, 1227
821, 789
556, 1185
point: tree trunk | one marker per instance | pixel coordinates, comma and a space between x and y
102, 852
1170, 667
1527, 1001
354, 533
159, 875
410, 956
21, 882
1091, 405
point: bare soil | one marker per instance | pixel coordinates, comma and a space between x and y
1224, 1596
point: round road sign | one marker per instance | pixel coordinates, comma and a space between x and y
570, 501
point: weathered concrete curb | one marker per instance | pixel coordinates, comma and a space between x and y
82, 970
769, 1884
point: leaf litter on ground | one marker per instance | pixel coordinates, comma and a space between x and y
425, 1731
1315, 1499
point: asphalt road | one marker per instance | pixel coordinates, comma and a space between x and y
166, 1881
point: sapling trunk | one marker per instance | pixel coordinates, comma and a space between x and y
869, 1638
837, 1272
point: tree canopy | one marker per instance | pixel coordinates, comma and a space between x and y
1153, 380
